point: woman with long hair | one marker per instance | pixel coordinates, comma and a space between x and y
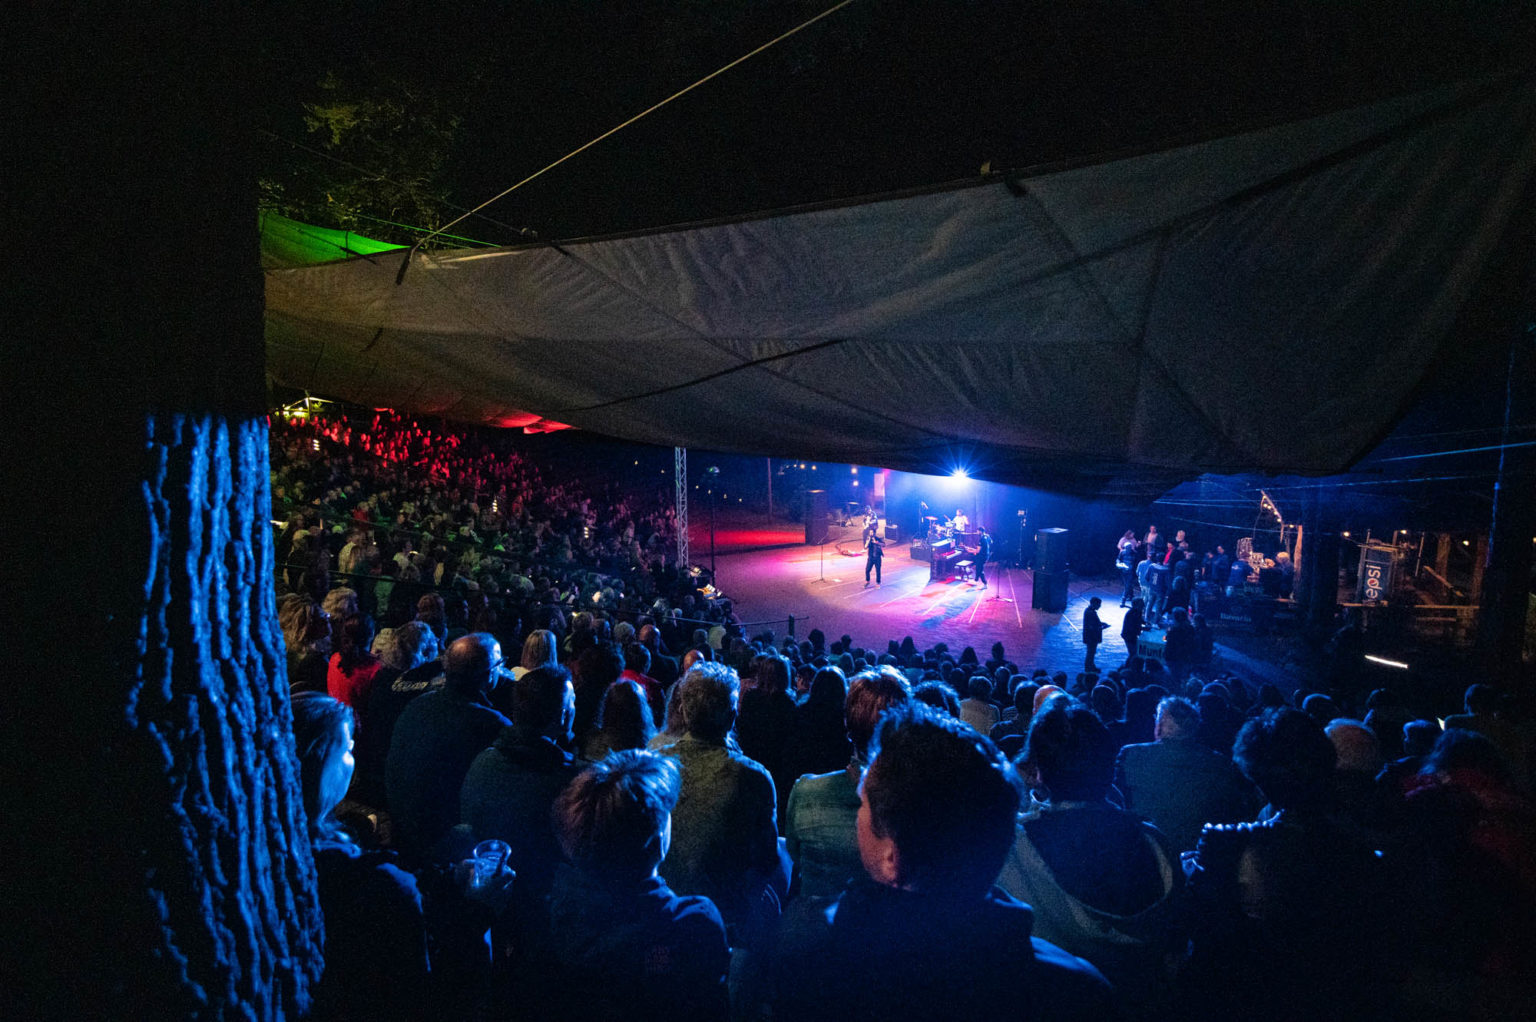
540, 649
354, 668
623, 722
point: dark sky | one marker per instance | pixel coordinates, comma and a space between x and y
880, 96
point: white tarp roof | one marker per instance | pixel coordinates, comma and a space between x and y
1262, 301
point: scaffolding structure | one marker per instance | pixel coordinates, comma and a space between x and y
680, 479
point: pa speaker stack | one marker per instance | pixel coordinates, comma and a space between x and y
1051, 575
815, 517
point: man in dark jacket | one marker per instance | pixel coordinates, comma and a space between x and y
436, 738
512, 786
925, 936
1178, 783
623, 944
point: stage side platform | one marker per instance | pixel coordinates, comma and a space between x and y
769, 573
825, 589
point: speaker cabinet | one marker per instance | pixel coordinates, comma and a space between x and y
1051, 550
892, 533
1050, 591
815, 517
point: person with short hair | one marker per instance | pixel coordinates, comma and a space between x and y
510, 787
977, 709
1093, 633
1104, 885
623, 944
1177, 782
923, 935
725, 842
1270, 898
436, 737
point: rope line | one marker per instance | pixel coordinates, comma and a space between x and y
615, 130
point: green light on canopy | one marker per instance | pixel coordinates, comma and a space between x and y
287, 242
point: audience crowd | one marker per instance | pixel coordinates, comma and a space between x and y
697, 823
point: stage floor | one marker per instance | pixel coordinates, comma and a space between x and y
825, 589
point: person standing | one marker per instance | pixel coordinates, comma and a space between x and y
1093, 632
1131, 627
874, 548
983, 555
1125, 562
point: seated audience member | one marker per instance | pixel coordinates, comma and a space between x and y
1482, 715
432, 612
1219, 720
1386, 715
938, 695
511, 787
819, 825
637, 666
376, 963
1419, 737
820, 742
1320, 708
725, 842
622, 943
399, 650
664, 668
353, 667
766, 725
437, 737
1284, 922
624, 722
594, 668
307, 638
539, 650
923, 935
1179, 784
1357, 797
977, 709
1469, 857
1104, 885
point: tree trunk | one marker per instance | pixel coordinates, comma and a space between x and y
161, 867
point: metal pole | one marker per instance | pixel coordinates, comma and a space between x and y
769, 462
713, 475
680, 480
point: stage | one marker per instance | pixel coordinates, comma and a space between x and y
825, 589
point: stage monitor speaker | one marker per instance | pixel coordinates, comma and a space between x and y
892, 532
815, 517
1050, 591
921, 551
1051, 550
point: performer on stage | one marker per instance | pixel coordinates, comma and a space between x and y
874, 548
871, 522
983, 555
960, 523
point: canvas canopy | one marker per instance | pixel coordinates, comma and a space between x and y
1265, 301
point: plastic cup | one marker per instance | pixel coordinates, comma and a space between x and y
489, 857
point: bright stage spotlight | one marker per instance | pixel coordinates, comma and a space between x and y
959, 473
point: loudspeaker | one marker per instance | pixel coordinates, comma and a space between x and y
1051, 550
815, 517
1050, 591
921, 551
892, 533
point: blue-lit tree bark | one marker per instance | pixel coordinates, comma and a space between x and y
156, 858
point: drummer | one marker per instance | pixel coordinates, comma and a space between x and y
960, 523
